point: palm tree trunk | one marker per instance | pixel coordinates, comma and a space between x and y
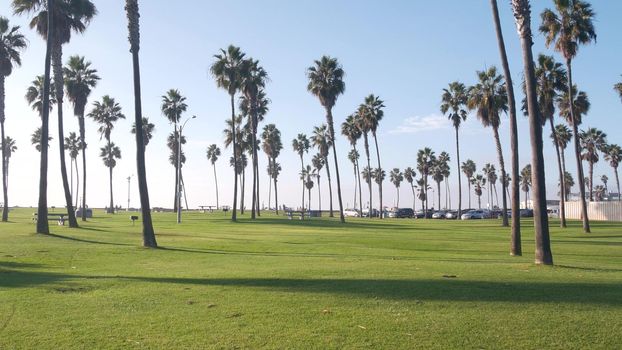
496, 194
543, 254
425, 186
591, 169
269, 184
515, 240
562, 180
617, 182
438, 189
398, 196
412, 188
234, 215
562, 152
331, 129
83, 141
577, 151
42, 209
358, 175
309, 205
149, 239
330, 188
5, 209
216, 181
302, 168
479, 201
71, 178
57, 66
366, 139
355, 185
255, 197
243, 178
276, 195
469, 186
111, 207
319, 195
176, 165
502, 167
379, 167
75, 163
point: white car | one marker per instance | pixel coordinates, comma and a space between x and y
354, 213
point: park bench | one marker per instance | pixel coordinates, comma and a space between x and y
58, 217
297, 213
208, 208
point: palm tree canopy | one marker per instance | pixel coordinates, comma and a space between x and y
109, 154
35, 139
11, 43
106, 113
34, 95
73, 145
326, 80
80, 79
425, 159
371, 112
489, 97
367, 174
69, 16
378, 175
551, 80
564, 135
613, 155
274, 169
396, 177
321, 139
148, 129
213, 152
581, 105
318, 162
618, 88
592, 140
353, 156
227, 69
350, 129
570, 26
453, 101
409, 175
301, 144
173, 105
525, 178
9, 147
253, 79
271, 141
468, 168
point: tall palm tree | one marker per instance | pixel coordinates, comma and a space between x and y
515, 240
35, 139
469, 168
173, 106
592, 141
301, 146
613, 155
350, 129
453, 103
69, 16
478, 181
11, 43
372, 114
562, 135
425, 160
106, 113
409, 176
227, 70
213, 152
109, 154
272, 146
326, 83
397, 177
568, 27
148, 130
322, 141
525, 182
132, 11
489, 98
80, 79
74, 146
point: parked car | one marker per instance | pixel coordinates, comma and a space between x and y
439, 214
526, 213
374, 213
353, 213
477, 214
451, 214
404, 213
420, 214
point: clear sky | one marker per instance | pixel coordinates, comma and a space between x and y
404, 51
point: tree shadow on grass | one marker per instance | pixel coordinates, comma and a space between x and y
75, 239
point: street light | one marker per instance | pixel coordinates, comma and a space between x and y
179, 188
128, 192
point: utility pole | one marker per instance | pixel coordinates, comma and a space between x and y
128, 192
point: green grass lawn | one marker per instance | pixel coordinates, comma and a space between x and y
314, 284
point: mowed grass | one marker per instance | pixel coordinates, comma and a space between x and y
317, 284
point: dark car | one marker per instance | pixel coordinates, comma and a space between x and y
404, 213
421, 215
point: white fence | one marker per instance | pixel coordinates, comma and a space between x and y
602, 211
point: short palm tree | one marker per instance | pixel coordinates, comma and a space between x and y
366, 173
478, 181
80, 79
422, 191
213, 152
322, 140
106, 113
445, 169
568, 183
74, 146
318, 162
353, 157
525, 182
562, 135
453, 104
566, 28
409, 176
227, 71
109, 155
613, 155
425, 160
438, 176
363, 126
350, 129
272, 146
173, 106
34, 95
148, 129
11, 43
605, 180
326, 83
306, 175
397, 177
274, 169
469, 168
599, 193
379, 175
489, 173
301, 146
592, 141
372, 113
35, 139
489, 98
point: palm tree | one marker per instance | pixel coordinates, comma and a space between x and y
106, 113
489, 172
74, 146
326, 83
372, 113
618, 88
301, 146
493, 184
272, 146
525, 182
613, 155
425, 160
321, 139
469, 168
306, 175
489, 98
80, 79
68, 16
34, 95
379, 175
605, 179
9, 147
409, 175
367, 176
109, 154
562, 135
445, 170
422, 193
227, 70
600, 192
173, 106
568, 183
397, 177
453, 103
592, 141
350, 129
567, 28
148, 129
131, 8
364, 128
318, 162
173, 142
438, 176
35, 139
478, 181
213, 152
11, 43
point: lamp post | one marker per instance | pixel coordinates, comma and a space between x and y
179, 188
128, 192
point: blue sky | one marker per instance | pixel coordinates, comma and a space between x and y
404, 51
